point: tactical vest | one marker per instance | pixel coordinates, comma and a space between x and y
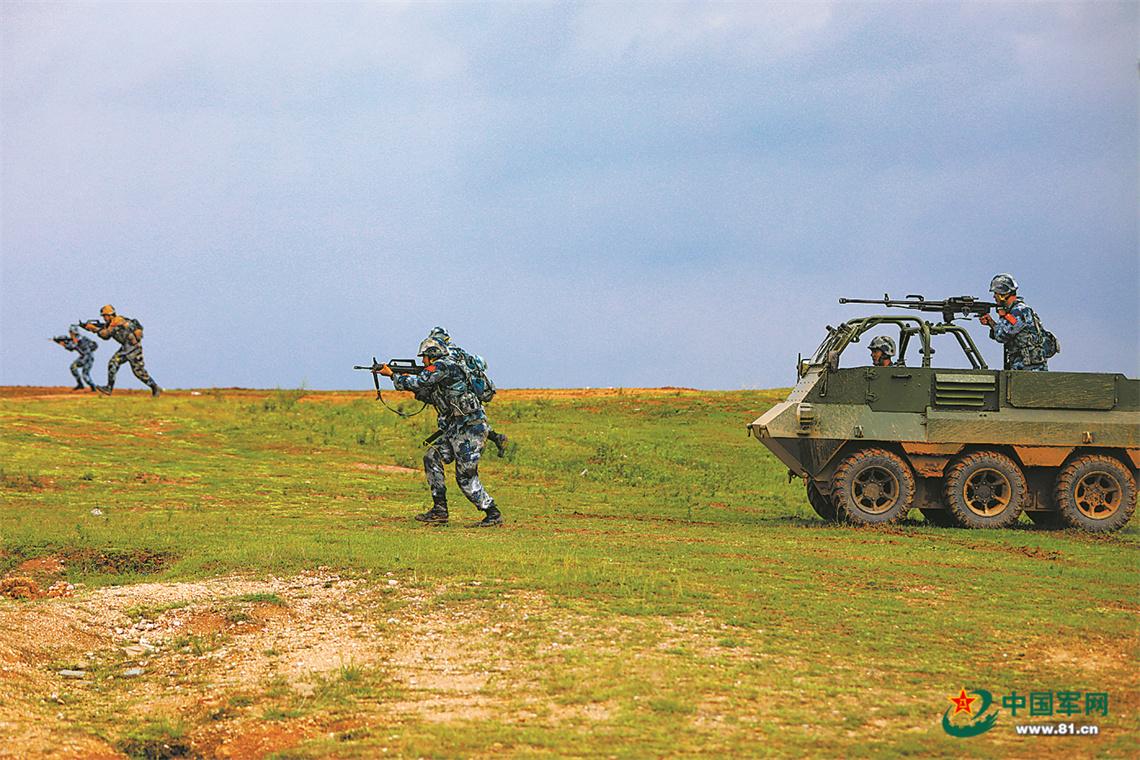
1028, 346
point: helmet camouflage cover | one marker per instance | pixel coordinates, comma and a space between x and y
440, 334
1003, 283
883, 343
432, 347
107, 311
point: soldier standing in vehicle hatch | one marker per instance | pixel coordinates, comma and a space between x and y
1026, 343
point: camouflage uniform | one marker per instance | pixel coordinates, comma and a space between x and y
459, 355
81, 367
464, 424
1022, 336
123, 331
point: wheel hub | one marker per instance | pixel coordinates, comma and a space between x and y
987, 492
875, 490
1097, 495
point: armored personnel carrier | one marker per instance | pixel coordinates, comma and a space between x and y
965, 444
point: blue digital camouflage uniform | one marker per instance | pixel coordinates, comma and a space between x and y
126, 333
1022, 336
464, 424
457, 354
81, 367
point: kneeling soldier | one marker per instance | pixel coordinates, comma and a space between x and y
464, 431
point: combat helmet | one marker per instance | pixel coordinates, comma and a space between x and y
73, 329
1003, 284
432, 348
440, 334
883, 343
107, 312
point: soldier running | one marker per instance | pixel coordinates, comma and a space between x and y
464, 431
1017, 328
81, 367
128, 334
459, 355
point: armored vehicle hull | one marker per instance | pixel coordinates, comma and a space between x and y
969, 447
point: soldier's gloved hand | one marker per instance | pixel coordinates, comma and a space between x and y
986, 319
386, 371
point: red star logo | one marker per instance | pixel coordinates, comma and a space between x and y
962, 703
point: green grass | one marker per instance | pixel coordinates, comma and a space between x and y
637, 512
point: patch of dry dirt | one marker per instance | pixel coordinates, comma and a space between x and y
200, 644
219, 655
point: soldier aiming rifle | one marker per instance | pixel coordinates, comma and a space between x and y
458, 393
127, 333
81, 367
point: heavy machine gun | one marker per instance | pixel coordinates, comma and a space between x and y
950, 308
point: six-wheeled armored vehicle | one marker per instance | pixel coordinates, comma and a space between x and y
967, 445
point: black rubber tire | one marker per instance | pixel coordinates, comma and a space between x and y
985, 470
1076, 499
1046, 520
859, 484
820, 503
941, 518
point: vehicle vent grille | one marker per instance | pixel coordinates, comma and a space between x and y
963, 390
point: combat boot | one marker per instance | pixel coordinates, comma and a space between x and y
155, 390
78, 387
491, 518
437, 514
105, 389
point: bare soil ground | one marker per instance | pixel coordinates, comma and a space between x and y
224, 655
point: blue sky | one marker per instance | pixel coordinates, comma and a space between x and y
586, 194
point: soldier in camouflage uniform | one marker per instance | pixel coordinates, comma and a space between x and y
128, 334
81, 367
882, 350
459, 355
1016, 327
464, 424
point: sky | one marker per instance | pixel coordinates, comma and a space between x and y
586, 194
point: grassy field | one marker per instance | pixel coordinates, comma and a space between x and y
252, 584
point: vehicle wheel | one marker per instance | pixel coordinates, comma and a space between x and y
942, 518
820, 503
872, 487
985, 489
1046, 520
1096, 493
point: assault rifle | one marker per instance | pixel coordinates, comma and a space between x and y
398, 367
958, 306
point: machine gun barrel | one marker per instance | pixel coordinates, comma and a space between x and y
950, 308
